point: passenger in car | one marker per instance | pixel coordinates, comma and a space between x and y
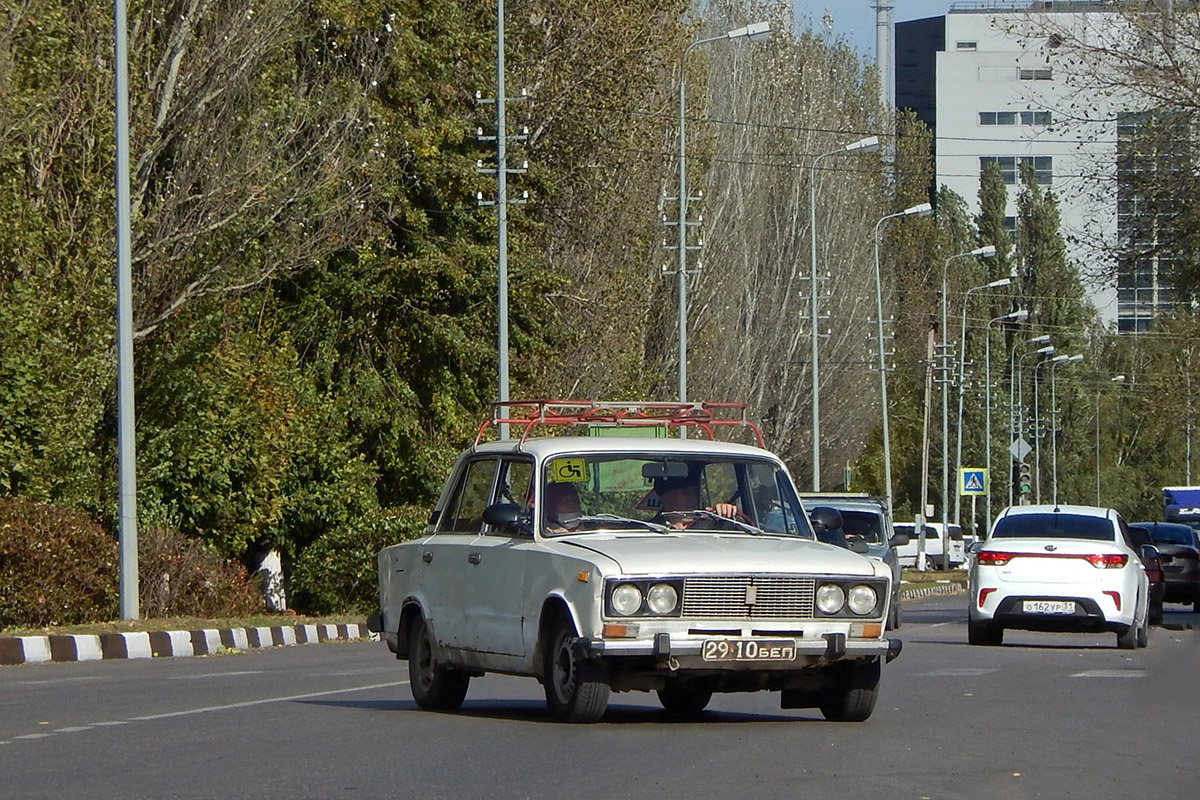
562, 507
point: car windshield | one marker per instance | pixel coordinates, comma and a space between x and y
605, 492
1054, 526
862, 523
911, 531
1169, 534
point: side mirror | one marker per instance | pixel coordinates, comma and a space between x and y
857, 544
974, 547
502, 515
1149, 551
898, 540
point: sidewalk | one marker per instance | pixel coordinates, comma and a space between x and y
165, 644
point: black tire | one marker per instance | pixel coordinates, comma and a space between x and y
569, 696
1128, 638
434, 687
856, 688
984, 633
683, 699
1143, 631
1156, 613
1196, 606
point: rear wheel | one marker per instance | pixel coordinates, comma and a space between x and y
984, 633
683, 699
1143, 634
569, 695
853, 696
434, 687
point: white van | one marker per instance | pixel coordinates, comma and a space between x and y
933, 545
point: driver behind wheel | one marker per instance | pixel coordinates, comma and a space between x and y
683, 495
562, 507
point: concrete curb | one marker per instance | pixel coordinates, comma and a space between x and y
954, 587
166, 644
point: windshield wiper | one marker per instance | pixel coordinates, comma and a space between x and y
703, 512
652, 526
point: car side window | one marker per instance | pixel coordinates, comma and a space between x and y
464, 512
514, 485
1125, 532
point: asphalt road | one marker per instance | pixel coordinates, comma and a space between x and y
1046, 715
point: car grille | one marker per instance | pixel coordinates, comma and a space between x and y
724, 597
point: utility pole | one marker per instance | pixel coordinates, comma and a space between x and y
929, 345
501, 171
126, 457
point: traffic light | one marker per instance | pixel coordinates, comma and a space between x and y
1025, 481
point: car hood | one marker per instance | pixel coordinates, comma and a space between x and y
709, 553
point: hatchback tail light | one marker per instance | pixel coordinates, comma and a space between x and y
1107, 560
992, 558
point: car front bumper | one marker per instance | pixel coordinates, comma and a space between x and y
689, 650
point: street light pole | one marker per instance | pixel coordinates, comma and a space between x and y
981, 252
921, 210
1014, 316
1018, 377
753, 33
1037, 424
1114, 379
1054, 424
865, 145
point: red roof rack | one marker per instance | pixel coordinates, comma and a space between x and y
705, 416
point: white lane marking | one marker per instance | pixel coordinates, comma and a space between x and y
34, 736
60, 680
113, 722
940, 624
72, 729
1112, 673
959, 672
265, 700
217, 675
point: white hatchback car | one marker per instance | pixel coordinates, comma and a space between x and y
597, 564
1058, 568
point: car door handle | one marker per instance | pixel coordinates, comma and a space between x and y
427, 556
474, 558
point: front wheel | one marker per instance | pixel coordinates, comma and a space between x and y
569, 695
855, 690
434, 687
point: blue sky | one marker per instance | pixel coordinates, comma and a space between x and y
855, 19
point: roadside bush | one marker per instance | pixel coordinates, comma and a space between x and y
57, 566
182, 577
338, 571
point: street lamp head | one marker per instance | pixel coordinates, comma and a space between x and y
1000, 283
1043, 339
1118, 379
920, 210
1016, 315
1044, 351
1060, 359
1077, 357
987, 251
754, 33
868, 145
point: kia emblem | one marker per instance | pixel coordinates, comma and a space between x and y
1051, 548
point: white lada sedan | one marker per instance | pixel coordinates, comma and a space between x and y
1064, 568
596, 564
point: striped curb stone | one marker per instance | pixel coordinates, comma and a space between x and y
125, 645
928, 591
165, 644
160, 644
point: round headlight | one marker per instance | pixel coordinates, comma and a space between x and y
626, 599
830, 598
662, 598
862, 599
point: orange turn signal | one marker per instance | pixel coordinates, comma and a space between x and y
582, 577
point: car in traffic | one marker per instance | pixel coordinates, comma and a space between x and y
1058, 568
934, 545
1152, 563
867, 519
1179, 548
596, 564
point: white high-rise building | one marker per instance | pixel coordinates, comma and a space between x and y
985, 78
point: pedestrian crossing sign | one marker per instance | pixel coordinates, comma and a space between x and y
972, 481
